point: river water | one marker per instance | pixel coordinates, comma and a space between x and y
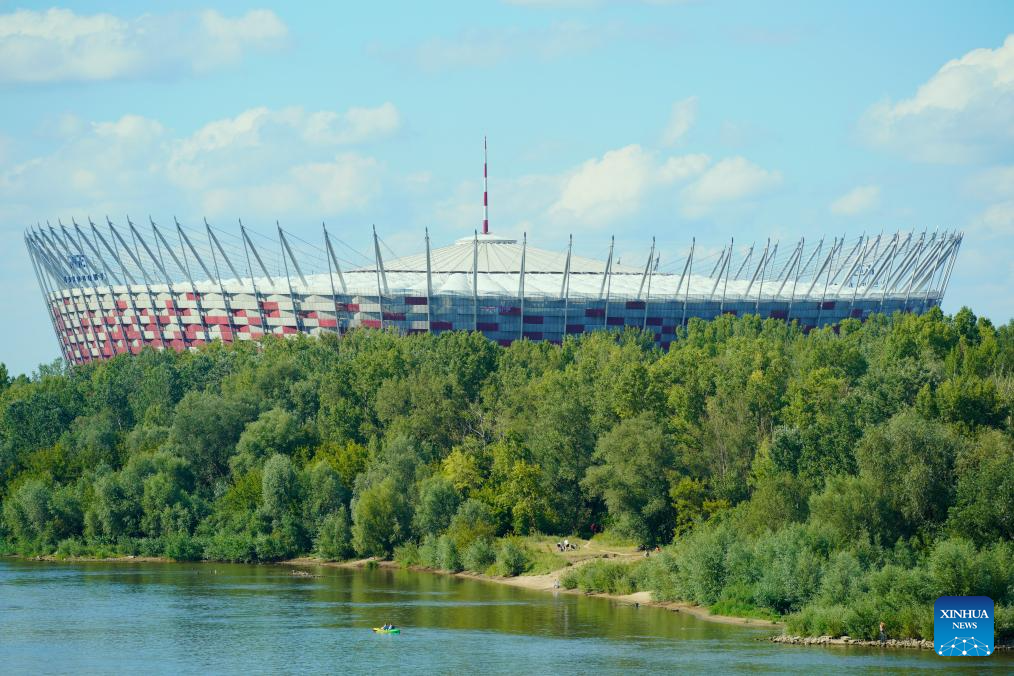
222, 618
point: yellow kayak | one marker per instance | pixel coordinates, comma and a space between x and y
381, 630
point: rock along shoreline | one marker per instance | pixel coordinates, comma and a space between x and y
903, 643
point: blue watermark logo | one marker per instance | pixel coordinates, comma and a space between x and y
963, 626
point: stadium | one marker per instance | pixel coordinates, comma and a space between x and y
113, 289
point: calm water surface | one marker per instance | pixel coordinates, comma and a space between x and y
220, 618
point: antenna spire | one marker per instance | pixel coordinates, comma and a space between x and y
485, 189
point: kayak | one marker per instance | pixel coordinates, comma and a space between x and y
381, 630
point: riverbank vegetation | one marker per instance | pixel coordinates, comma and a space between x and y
834, 479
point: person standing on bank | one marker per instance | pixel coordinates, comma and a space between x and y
883, 632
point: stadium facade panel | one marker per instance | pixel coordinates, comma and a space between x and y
111, 289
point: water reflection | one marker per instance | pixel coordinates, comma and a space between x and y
234, 618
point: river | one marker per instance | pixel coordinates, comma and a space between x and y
223, 618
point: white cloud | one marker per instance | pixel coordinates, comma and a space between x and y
729, 181
285, 162
347, 182
683, 115
58, 45
602, 190
856, 201
964, 113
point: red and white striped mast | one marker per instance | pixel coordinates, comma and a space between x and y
485, 190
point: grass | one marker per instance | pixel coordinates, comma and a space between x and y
541, 562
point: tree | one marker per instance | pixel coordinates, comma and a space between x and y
206, 428
910, 461
380, 518
985, 490
334, 536
280, 489
275, 431
438, 501
324, 493
27, 511
630, 476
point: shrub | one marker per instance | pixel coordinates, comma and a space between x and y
447, 554
182, 547
234, 547
334, 537
479, 555
602, 577
428, 552
511, 559
407, 554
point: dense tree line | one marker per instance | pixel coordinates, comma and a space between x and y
835, 476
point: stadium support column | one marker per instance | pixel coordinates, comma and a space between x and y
565, 286
147, 285
647, 297
165, 275
860, 273
521, 284
827, 281
475, 283
906, 252
950, 264
128, 281
679, 287
47, 299
887, 256
842, 262
720, 269
81, 308
690, 273
93, 277
288, 279
746, 261
647, 268
607, 283
799, 272
762, 263
110, 277
429, 285
160, 241
247, 246
725, 286
332, 264
932, 249
789, 267
381, 276
212, 243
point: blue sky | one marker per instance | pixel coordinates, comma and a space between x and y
705, 118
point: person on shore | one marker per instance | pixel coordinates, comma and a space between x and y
883, 633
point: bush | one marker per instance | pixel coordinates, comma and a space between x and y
1003, 622
233, 547
600, 576
427, 552
511, 559
182, 547
472, 521
447, 554
407, 554
334, 537
479, 555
